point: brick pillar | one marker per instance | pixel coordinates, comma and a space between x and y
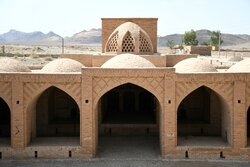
239, 116
17, 116
169, 134
88, 125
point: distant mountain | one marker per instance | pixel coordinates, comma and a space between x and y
94, 36
85, 37
2, 40
204, 36
37, 37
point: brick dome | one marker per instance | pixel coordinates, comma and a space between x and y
129, 38
194, 65
12, 65
62, 65
127, 61
242, 66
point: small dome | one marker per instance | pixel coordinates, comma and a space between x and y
62, 65
127, 61
242, 66
194, 65
12, 65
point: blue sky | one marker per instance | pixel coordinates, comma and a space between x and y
66, 17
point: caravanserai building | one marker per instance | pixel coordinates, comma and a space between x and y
64, 109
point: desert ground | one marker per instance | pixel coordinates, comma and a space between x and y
39, 55
42, 54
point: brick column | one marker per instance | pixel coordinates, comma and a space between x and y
88, 124
239, 116
17, 116
169, 134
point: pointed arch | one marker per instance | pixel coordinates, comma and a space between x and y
127, 109
129, 99
59, 111
5, 121
203, 112
145, 84
128, 43
33, 90
145, 43
32, 93
112, 44
186, 89
129, 83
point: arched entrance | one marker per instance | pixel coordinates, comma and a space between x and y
248, 126
203, 119
57, 119
4, 123
128, 120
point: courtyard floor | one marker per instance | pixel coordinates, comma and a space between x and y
197, 141
141, 151
122, 163
4, 142
56, 141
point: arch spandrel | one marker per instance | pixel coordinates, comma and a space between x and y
33, 90
225, 90
103, 85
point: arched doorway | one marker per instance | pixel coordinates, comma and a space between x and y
128, 119
248, 126
4, 123
57, 118
203, 119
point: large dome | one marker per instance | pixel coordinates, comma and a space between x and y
12, 65
242, 66
194, 65
62, 65
129, 38
127, 61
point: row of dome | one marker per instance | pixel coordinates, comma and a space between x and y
189, 65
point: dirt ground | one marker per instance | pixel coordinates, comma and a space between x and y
121, 163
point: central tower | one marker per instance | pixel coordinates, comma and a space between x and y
129, 35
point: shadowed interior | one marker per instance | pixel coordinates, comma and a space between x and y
205, 115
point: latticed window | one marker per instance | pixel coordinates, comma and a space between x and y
112, 45
128, 43
144, 44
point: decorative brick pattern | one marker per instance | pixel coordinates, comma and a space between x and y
32, 90
128, 44
184, 88
113, 44
144, 44
247, 95
103, 85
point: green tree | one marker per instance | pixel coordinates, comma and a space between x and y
170, 43
215, 37
190, 38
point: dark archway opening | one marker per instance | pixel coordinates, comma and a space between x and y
203, 119
5, 123
128, 119
57, 118
248, 126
